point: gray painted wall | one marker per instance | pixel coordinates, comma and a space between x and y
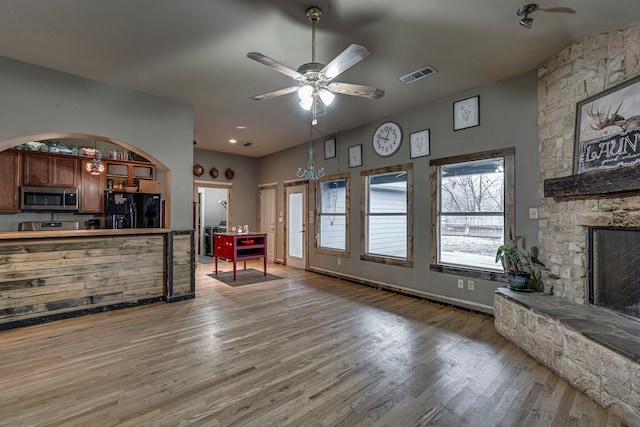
214, 212
508, 118
39, 103
244, 191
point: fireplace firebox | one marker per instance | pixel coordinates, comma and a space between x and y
614, 269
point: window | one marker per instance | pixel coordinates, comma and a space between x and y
387, 215
332, 223
473, 207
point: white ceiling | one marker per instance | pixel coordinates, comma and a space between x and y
194, 51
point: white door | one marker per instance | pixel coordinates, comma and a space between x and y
296, 226
268, 220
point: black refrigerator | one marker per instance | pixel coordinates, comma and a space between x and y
133, 210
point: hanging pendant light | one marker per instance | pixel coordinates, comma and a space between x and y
95, 165
310, 173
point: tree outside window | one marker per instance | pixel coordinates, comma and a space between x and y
473, 209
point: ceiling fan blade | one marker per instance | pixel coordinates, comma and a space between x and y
356, 90
275, 93
272, 63
347, 59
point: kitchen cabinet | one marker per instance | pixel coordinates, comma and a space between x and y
90, 190
49, 170
10, 179
127, 174
240, 247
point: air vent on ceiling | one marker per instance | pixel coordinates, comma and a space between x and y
247, 144
417, 75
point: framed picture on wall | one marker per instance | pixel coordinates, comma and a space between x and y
466, 113
608, 129
329, 148
355, 156
420, 143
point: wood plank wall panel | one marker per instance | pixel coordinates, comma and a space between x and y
53, 276
183, 271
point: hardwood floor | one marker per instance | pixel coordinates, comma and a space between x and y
304, 350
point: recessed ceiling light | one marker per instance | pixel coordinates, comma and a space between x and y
241, 127
233, 141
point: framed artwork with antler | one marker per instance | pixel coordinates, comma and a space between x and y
608, 128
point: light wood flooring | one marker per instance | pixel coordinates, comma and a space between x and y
305, 350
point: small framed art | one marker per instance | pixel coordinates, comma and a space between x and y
420, 144
355, 156
466, 113
329, 148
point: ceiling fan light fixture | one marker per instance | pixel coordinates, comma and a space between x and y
305, 92
326, 97
306, 103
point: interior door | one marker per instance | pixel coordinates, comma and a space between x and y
268, 220
296, 226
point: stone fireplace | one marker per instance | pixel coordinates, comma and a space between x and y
595, 349
614, 269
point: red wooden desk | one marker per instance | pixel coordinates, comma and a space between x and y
240, 247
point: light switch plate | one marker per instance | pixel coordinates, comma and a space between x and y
533, 213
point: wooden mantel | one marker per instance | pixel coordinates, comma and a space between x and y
623, 181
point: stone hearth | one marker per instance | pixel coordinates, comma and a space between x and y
595, 350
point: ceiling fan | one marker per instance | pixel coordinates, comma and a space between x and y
315, 86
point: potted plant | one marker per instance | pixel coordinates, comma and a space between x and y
521, 267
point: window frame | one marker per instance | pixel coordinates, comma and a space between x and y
364, 215
330, 251
508, 154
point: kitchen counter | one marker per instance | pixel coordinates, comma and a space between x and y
50, 275
11, 235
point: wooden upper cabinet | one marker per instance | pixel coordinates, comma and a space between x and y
10, 179
36, 170
91, 190
64, 170
42, 169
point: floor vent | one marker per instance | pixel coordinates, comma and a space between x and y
418, 74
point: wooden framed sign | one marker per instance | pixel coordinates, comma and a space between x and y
607, 131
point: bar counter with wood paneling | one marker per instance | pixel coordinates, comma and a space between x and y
50, 275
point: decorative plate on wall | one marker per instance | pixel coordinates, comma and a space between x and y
213, 172
229, 173
198, 170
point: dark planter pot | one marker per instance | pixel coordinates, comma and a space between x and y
518, 279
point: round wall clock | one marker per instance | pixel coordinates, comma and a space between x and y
387, 139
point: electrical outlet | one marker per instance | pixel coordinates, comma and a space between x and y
339, 261
471, 285
460, 283
533, 213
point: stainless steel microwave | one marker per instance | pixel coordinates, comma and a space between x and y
48, 199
